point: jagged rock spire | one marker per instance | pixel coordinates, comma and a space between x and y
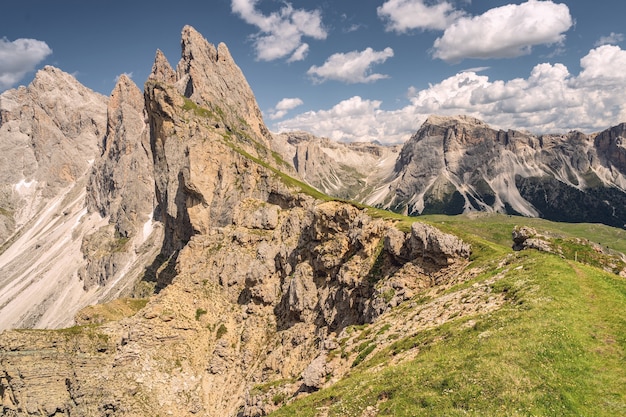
162, 70
209, 76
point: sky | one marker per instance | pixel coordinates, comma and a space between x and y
353, 70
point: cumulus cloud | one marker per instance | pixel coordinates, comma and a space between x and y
550, 99
404, 15
283, 107
354, 119
504, 32
612, 39
352, 67
19, 57
280, 33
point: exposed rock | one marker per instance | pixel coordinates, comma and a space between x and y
314, 375
441, 248
426, 242
121, 189
528, 238
209, 77
162, 70
459, 164
204, 341
344, 170
49, 135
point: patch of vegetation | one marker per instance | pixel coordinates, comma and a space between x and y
199, 313
111, 311
377, 270
199, 111
221, 331
279, 398
363, 352
585, 252
388, 294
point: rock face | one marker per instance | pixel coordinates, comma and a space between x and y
120, 189
49, 134
456, 165
255, 278
344, 170
460, 164
250, 304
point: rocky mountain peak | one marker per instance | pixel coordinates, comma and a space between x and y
209, 77
448, 121
124, 92
162, 70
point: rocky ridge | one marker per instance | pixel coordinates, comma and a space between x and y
459, 164
261, 300
343, 170
255, 278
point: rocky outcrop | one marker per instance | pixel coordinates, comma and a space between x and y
208, 76
460, 164
528, 238
253, 302
120, 189
50, 131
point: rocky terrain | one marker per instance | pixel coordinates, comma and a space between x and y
251, 288
266, 277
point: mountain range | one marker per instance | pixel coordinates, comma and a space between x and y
210, 267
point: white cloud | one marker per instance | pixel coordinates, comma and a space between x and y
280, 33
504, 32
404, 15
551, 99
128, 74
352, 67
300, 53
612, 39
19, 57
283, 107
354, 119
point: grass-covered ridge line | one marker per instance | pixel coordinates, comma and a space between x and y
556, 348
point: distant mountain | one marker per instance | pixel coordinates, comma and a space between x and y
454, 165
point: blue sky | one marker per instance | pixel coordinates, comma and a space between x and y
353, 70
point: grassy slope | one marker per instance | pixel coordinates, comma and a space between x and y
558, 347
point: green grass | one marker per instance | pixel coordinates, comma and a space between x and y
556, 348
221, 331
199, 313
198, 110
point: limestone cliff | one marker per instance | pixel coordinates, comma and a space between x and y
255, 278
460, 164
260, 300
343, 170
49, 134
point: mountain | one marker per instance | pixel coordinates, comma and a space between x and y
343, 170
218, 283
459, 164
